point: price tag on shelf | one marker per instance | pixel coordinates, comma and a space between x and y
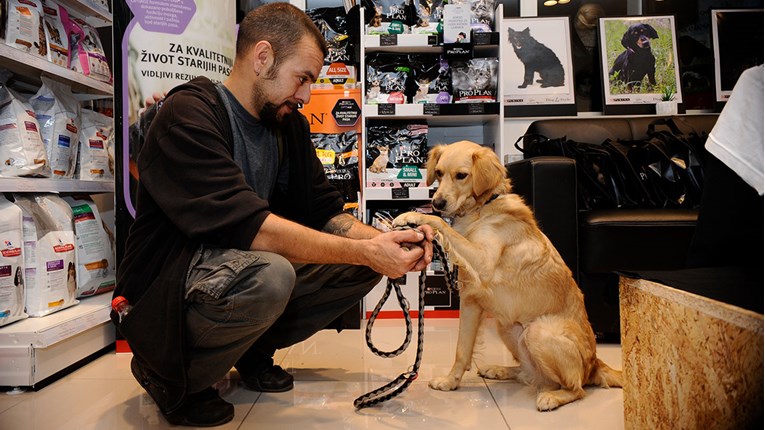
399, 193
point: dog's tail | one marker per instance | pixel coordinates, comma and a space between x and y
604, 376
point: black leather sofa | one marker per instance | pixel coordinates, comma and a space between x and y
600, 244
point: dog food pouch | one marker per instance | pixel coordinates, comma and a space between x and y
50, 257
474, 80
22, 152
391, 17
432, 79
11, 264
96, 271
55, 33
96, 131
87, 52
388, 78
58, 114
25, 29
396, 154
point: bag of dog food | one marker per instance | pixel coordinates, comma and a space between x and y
11, 264
50, 256
87, 52
22, 152
96, 132
58, 114
474, 80
96, 271
24, 28
54, 16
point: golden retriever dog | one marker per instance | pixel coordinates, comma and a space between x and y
509, 270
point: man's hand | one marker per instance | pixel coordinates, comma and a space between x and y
395, 253
150, 101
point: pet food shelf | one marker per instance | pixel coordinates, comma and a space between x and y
34, 349
36, 185
412, 193
28, 68
449, 113
422, 43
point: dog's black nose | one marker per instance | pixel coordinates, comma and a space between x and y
439, 204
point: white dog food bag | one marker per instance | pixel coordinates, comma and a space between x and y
24, 28
50, 257
11, 264
96, 133
54, 16
22, 152
58, 114
96, 271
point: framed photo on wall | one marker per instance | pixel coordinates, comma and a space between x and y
537, 77
639, 63
736, 46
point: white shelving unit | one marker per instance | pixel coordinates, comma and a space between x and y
34, 349
479, 122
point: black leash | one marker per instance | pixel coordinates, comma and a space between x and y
398, 385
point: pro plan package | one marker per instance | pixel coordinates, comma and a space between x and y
474, 80
388, 78
391, 17
396, 153
432, 79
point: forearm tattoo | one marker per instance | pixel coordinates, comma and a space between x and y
340, 225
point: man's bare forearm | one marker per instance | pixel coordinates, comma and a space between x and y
347, 225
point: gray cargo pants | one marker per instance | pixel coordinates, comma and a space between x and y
244, 304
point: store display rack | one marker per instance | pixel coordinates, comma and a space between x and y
34, 349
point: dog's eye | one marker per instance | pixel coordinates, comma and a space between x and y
460, 176
439, 174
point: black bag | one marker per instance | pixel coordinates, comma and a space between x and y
600, 184
664, 170
685, 149
665, 167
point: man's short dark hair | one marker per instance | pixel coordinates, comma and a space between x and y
281, 24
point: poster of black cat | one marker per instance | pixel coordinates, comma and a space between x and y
536, 63
639, 62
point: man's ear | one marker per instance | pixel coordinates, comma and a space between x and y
262, 54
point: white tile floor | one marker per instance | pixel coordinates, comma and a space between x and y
331, 370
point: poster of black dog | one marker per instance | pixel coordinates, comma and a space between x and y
536, 64
639, 60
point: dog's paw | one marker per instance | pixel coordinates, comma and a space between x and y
547, 401
411, 219
498, 372
444, 383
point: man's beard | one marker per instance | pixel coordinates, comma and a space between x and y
269, 112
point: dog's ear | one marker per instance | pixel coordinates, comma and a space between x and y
488, 172
433, 156
650, 31
626, 39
